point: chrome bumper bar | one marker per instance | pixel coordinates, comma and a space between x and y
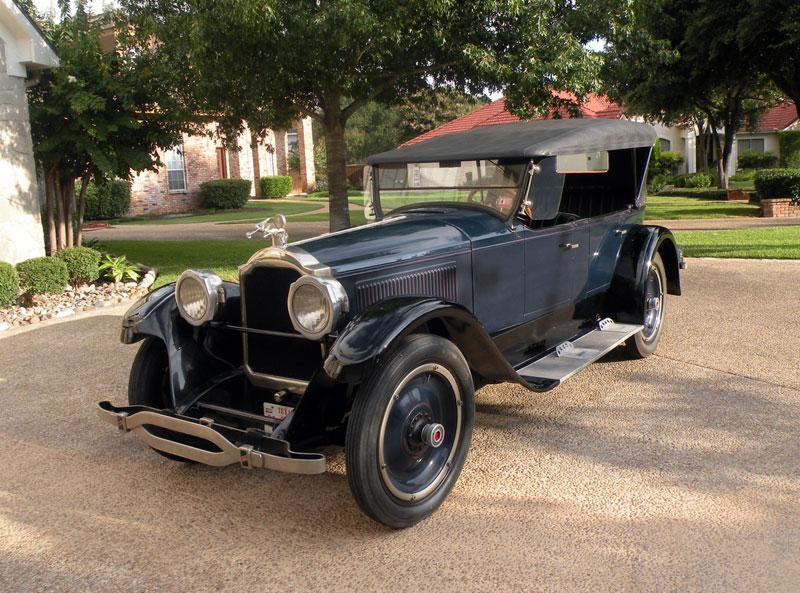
137, 419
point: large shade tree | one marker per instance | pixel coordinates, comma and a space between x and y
327, 59
679, 61
100, 115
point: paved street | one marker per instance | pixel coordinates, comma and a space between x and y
677, 473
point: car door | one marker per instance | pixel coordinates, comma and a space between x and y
555, 258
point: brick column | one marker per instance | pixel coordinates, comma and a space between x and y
305, 146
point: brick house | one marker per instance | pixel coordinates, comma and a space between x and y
175, 187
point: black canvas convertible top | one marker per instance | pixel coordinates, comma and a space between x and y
525, 140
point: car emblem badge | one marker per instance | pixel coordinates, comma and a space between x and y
274, 227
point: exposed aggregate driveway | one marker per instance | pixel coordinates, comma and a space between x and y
677, 473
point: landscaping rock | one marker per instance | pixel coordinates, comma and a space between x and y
4, 326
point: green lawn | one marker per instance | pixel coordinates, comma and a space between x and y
675, 208
252, 212
357, 217
323, 196
754, 243
171, 258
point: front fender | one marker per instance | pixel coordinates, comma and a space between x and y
191, 351
373, 332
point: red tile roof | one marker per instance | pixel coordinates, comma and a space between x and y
779, 117
495, 113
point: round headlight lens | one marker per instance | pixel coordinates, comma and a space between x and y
311, 308
196, 295
193, 298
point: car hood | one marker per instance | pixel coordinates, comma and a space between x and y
404, 237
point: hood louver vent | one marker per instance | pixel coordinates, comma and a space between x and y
438, 281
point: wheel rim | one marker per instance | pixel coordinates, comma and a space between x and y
420, 433
653, 304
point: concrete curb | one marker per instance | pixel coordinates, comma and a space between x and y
117, 309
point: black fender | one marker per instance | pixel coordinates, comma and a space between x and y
194, 352
641, 244
371, 334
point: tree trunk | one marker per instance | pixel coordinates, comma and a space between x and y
49, 192
68, 193
256, 164
727, 149
333, 126
81, 209
62, 231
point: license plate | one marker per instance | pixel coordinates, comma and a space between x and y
275, 411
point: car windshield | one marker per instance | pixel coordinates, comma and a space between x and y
492, 184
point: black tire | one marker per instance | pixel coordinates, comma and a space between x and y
645, 343
421, 371
149, 382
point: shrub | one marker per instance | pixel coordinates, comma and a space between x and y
744, 175
276, 186
9, 284
225, 194
697, 180
778, 183
111, 199
750, 159
42, 275
669, 161
119, 269
789, 145
657, 183
82, 264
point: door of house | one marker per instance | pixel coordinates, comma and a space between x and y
222, 163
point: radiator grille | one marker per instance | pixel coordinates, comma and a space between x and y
264, 293
438, 281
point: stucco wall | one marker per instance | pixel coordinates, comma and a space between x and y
21, 235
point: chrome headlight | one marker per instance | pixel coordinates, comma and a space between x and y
197, 295
315, 305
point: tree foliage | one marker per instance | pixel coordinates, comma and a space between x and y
98, 116
272, 60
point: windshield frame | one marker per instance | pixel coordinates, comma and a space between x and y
521, 188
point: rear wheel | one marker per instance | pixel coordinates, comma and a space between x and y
149, 383
409, 431
644, 343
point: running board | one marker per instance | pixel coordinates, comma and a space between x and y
570, 357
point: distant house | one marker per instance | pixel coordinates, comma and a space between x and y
23, 51
175, 187
762, 137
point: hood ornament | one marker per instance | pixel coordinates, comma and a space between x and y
274, 227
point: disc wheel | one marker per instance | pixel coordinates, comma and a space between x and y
654, 305
409, 431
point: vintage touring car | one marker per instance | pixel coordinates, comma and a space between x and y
508, 253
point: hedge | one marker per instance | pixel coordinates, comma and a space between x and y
82, 264
749, 159
225, 194
778, 183
42, 275
9, 284
789, 144
697, 180
111, 199
276, 186
708, 194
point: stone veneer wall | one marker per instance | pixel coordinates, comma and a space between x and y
780, 208
21, 235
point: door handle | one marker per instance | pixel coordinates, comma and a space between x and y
620, 232
570, 245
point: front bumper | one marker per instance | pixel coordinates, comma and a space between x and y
226, 445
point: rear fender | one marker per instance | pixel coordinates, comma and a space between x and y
641, 245
194, 352
371, 334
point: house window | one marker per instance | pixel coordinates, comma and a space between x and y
752, 144
176, 173
292, 141
664, 144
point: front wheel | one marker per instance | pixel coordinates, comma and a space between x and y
644, 343
409, 431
